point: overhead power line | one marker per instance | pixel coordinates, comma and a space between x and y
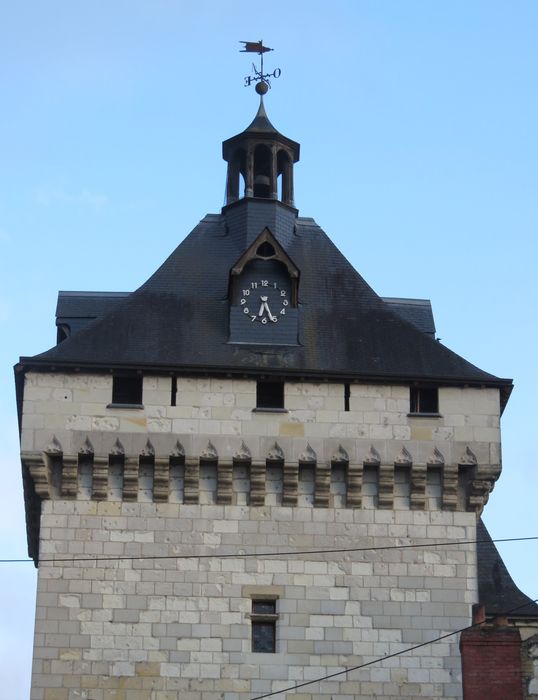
246, 555
381, 658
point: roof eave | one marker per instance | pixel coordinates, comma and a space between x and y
26, 363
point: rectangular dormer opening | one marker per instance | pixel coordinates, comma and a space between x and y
127, 391
424, 401
270, 395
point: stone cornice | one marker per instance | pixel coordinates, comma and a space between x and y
464, 486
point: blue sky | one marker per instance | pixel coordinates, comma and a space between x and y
419, 157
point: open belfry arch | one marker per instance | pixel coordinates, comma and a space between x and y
254, 471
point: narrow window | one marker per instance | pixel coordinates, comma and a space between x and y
424, 400
127, 391
263, 620
173, 392
347, 393
270, 395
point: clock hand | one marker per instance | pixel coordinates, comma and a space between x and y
273, 318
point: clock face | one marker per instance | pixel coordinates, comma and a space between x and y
264, 300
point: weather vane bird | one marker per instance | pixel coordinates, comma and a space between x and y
261, 79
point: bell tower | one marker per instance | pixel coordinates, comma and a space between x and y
254, 474
263, 158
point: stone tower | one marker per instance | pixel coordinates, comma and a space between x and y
225, 469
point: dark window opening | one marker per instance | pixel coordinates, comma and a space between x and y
265, 250
173, 391
269, 394
347, 394
424, 400
263, 619
262, 171
127, 390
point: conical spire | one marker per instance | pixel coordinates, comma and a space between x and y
261, 122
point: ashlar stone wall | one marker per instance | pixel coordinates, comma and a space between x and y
168, 621
70, 404
216, 419
159, 526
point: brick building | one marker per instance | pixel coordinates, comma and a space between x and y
254, 472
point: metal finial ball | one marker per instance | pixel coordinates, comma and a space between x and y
262, 87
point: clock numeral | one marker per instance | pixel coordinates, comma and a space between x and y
245, 310
254, 285
246, 292
285, 302
282, 292
274, 319
264, 319
243, 301
274, 285
253, 318
283, 312
265, 283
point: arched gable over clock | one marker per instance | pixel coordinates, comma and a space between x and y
263, 294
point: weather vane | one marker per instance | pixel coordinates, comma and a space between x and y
260, 78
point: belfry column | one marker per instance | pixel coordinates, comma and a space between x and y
289, 197
273, 178
249, 174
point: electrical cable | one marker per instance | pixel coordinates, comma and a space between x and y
381, 658
246, 555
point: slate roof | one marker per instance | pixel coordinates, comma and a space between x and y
496, 589
262, 127
261, 122
77, 309
178, 319
416, 311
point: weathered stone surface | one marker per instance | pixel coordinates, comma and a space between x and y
69, 476
183, 626
130, 478
482, 483
257, 483
290, 483
100, 478
354, 485
322, 485
418, 486
386, 486
372, 457
192, 481
450, 487
40, 473
170, 628
56, 475
224, 482
161, 480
